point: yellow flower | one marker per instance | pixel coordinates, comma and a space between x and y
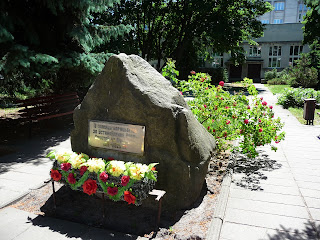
95, 165
116, 168
76, 160
62, 157
137, 171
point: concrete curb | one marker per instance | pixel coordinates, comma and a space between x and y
219, 213
22, 195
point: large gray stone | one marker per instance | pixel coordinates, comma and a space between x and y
129, 90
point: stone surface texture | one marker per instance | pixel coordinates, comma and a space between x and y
129, 90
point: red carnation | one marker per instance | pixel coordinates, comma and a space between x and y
55, 175
104, 176
71, 178
246, 121
129, 198
221, 83
65, 166
90, 187
83, 169
112, 191
125, 180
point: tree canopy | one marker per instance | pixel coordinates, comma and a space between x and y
312, 21
185, 29
54, 39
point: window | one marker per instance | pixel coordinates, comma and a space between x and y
279, 6
295, 52
274, 57
278, 21
302, 7
265, 21
255, 51
217, 60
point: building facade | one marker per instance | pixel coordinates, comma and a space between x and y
279, 47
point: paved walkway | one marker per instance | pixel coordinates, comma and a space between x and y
277, 197
26, 169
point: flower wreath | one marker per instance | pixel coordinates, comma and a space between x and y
120, 180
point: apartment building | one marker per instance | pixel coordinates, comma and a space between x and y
279, 47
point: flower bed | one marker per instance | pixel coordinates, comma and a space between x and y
126, 181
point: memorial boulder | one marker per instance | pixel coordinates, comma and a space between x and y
132, 113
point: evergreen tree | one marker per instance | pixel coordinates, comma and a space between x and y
56, 40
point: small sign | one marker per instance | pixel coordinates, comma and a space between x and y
117, 136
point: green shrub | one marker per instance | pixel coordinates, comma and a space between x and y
269, 75
302, 75
294, 97
277, 81
230, 117
218, 75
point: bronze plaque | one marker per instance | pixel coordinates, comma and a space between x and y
117, 136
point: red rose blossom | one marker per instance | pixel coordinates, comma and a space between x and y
90, 186
112, 191
208, 127
259, 120
55, 175
104, 176
125, 180
226, 107
261, 98
205, 106
213, 130
83, 169
228, 122
248, 107
71, 178
129, 198
65, 166
260, 130
193, 72
221, 83
270, 107
246, 121
264, 103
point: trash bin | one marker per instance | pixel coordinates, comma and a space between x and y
309, 108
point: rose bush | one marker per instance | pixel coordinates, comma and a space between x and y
232, 116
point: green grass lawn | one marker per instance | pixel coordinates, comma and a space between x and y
275, 89
298, 113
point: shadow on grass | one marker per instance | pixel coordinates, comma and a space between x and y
311, 231
253, 170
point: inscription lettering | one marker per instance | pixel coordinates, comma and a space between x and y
117, 136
